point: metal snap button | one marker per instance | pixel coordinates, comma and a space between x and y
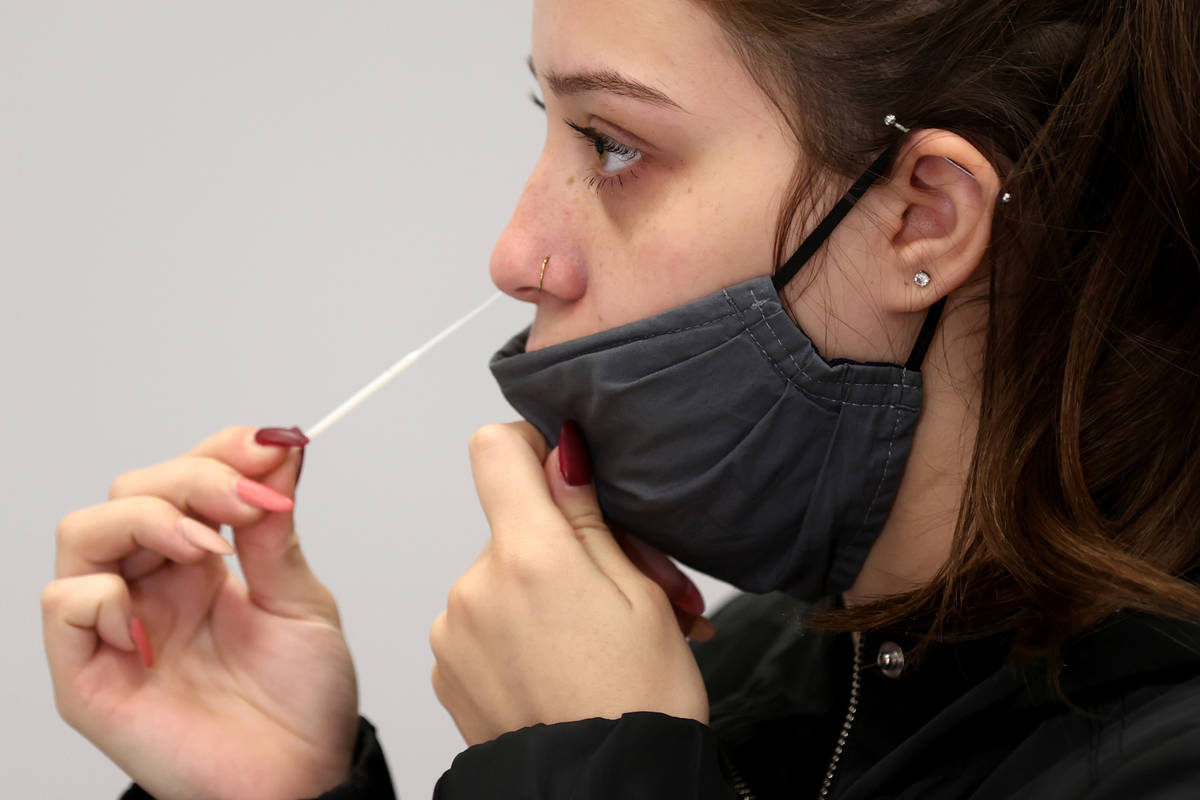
890, 659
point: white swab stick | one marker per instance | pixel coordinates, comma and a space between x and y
374, 386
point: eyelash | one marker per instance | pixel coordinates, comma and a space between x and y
601, 144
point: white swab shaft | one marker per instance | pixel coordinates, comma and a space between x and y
371, 388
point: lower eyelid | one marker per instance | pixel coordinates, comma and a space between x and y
599, 182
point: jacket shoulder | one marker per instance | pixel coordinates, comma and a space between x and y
1146, 744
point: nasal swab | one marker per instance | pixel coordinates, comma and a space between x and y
371, 388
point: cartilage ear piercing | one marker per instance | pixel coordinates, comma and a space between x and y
921, 279
542, 275
890, 121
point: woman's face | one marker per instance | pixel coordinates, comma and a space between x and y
662, 173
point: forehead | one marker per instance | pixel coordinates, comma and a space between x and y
672, 45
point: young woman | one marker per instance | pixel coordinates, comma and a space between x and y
886, 305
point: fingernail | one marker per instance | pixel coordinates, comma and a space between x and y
281, 437
284, 437
573, 460
691, 601
141, 641
261, 496
702, 630
204, 537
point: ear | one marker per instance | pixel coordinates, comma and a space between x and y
937, 218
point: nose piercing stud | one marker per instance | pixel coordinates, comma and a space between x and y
542, 275
921, 279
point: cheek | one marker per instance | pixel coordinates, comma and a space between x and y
700, 245
665, 243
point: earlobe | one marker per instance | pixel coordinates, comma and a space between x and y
943, 192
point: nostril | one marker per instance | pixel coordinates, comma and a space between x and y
530, 276
525, 294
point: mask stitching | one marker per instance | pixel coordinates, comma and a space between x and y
647, 337
757, 306
806, 391
882, 476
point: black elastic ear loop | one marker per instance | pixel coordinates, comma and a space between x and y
925, 337
814, 240
819, 234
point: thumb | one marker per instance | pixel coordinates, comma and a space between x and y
569, 474
277, 574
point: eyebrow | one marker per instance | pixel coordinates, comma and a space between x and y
604, 81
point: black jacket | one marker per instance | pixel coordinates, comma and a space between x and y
963, 723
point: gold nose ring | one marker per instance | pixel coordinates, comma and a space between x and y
542, 276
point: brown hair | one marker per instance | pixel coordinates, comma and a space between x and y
1084, 492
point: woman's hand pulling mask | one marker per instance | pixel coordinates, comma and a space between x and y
554, 622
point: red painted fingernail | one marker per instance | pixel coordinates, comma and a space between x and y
260, 496
573, 460
284, 437
141, 641
281, 437
692, 601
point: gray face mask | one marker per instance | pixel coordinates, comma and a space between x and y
719, 434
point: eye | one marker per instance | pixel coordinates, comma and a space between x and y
611, 156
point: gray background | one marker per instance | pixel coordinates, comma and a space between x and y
237, 213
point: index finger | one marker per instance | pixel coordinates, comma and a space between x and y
236, 447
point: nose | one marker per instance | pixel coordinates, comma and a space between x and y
547, 224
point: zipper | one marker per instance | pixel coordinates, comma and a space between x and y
739, 783
743, 789
847, 724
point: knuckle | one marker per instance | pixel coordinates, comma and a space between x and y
204, 472
437, 636
518, 565
325, 597
587, 521
517, 569
121, 485
470, 597
67, 706
197, 467
69, 529
532, 575
53, 595
325, 604
233, 435
107, 585
461, 598
440, 686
